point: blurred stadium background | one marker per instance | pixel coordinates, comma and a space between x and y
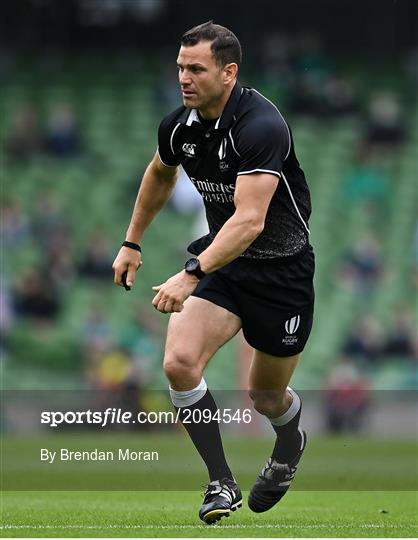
84, 84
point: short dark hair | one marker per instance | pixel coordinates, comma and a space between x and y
225, 46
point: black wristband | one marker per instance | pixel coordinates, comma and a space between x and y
132, 245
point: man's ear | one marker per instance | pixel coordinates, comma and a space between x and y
230, 72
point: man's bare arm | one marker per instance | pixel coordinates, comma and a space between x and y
253, 194
155, 190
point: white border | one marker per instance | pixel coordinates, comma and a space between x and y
260, 170
165, 164
171, 138
233, 144
294, 204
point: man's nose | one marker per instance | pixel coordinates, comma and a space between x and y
184, 77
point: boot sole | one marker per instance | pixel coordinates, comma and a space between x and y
216, 515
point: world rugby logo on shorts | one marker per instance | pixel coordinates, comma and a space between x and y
291, 325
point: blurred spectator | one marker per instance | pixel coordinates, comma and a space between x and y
276, 60
96, 329
277, 52
168, 94
338, 98
304, 99
59, 264
365, 341
346, 398
14, 226
385, 127
62, 136
332, 97
363, 264
309, 58
415, 264
113, 371
402, 336
6, 308
98, 259
6, 315
143, 336
366, 179
112, 368
25, 138
50, 223
36, 297
411, 68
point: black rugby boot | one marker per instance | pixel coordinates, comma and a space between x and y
220, 498
273, 482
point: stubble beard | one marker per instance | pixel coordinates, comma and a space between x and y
208, 103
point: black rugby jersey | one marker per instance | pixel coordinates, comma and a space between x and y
250, 136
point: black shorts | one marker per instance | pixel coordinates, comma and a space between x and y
274, 299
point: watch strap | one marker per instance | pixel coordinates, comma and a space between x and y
197, 271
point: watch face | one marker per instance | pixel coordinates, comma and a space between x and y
192, 265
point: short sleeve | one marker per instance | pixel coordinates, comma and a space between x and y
166, 133
263, 144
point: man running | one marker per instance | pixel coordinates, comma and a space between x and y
253, 271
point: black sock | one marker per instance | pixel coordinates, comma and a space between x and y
289, 437
206, 437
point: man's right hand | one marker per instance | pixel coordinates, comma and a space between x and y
128, 260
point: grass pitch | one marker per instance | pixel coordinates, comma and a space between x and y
345, 463
346, 467
174, 514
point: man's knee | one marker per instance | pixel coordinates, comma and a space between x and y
270, 403
182, 368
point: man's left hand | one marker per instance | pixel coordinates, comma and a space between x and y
172, 294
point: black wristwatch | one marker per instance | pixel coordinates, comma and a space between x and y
192, 266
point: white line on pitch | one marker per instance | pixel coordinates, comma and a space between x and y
256, 526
